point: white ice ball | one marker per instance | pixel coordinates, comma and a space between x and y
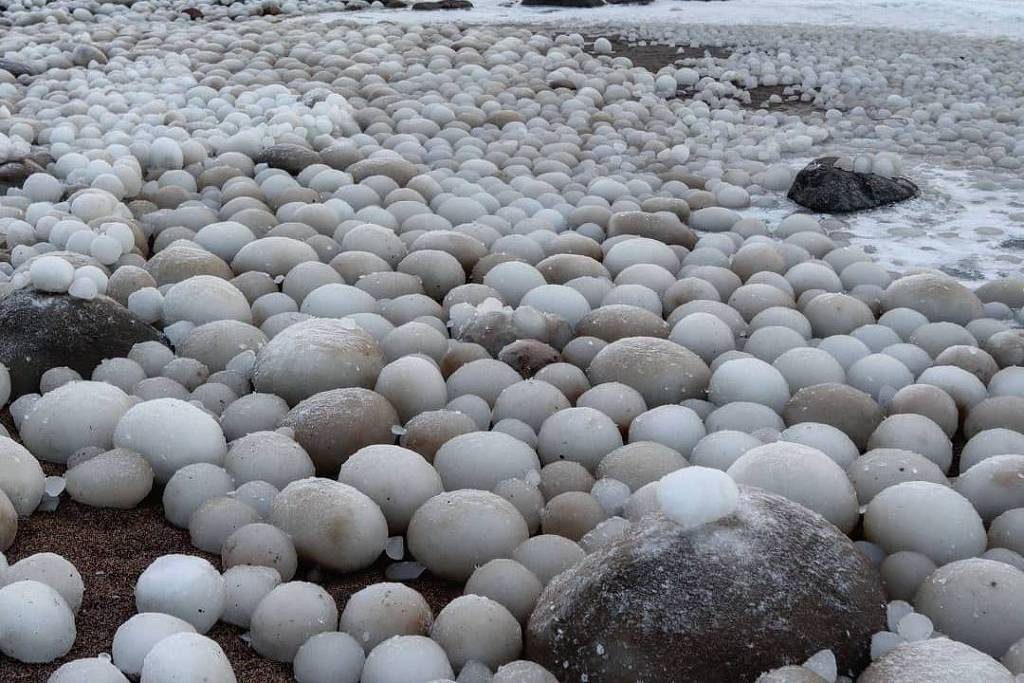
36, 624
184, 586
694, 496
136, 637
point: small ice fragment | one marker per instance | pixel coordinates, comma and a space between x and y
884, 641
398, 430
395, 548
823, 663
404, 571
914, 627
55, 486
896, 610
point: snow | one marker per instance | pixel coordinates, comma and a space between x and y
983, 19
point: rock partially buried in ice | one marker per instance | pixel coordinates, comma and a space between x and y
694, 496
36, 624
183, 586
93, 670
823, 186
938, 660
136, 637
776, 582
79, 334
187, 657
331, 523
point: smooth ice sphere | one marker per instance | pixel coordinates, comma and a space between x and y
883, 642
823, 663
802, 474
695, 496
92, 670
147, 304
43, 187
384, 610
548, 555
74, 416
262, 545
407, 659
184, 586
113, 479
509, 583
170, 434
903, 572
978, 602
21, 477
53, 570
895, 611
51, 274
455, 532
84, 288
929, 518
36, 624
187, 657
397, 479
480, 460
331, 523
288, 616
216, 519
476, 628
915, 627
329, 658
136, 637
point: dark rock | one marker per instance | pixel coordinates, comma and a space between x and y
16, 68
443, 4
83, 55
562, 3
193, 13
820, 186
770, 585
39, 331
288, 157
528, 356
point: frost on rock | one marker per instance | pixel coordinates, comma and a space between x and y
770, 584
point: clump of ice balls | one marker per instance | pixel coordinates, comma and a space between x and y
695, 496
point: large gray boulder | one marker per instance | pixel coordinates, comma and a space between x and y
39, 331
821, 186
770, 585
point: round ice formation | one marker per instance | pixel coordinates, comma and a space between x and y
479, 460
928, 518
695, 496
94, 670
385, 610
183, 586
977, 602
453, 533
288, 616
136, 637
114, 479
329, 658
170, 434
508, 583
52, 274
187, 657
74, 416
317, 355
407, 659
53, 570
478, 629
331, 523
21, 476
36, 624
803, 474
